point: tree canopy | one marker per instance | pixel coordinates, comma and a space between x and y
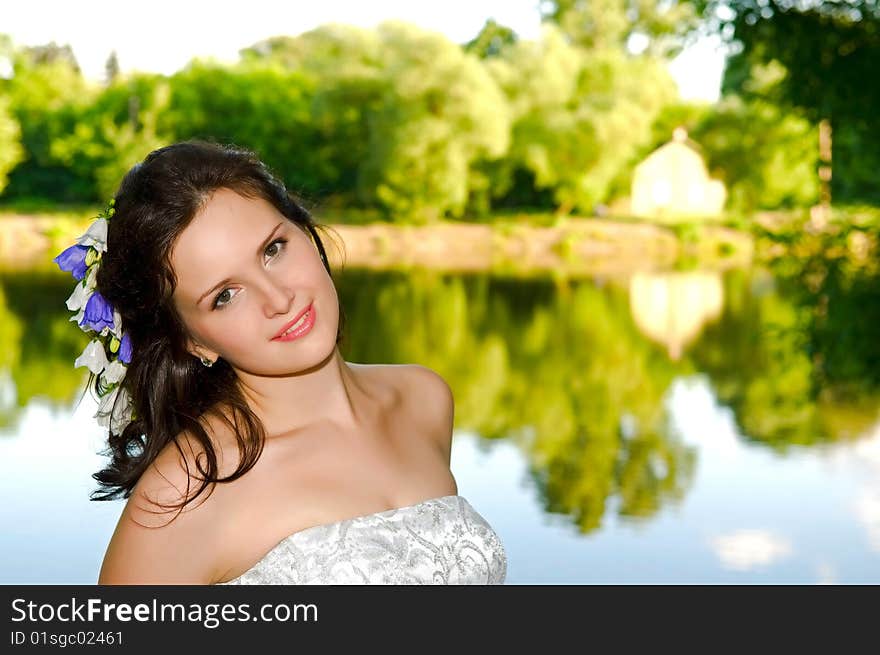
817, 57
404, 121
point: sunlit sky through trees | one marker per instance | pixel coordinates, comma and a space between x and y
163, 35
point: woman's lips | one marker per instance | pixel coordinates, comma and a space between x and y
308, 320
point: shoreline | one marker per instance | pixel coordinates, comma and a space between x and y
576, 247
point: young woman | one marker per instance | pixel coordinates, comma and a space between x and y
234, 411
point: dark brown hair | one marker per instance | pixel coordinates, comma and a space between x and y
170, 389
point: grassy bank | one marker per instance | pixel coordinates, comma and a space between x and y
513, 242
576, 247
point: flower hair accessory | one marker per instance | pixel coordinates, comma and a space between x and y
109, 352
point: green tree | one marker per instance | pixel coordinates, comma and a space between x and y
259, 105
612, 24
430, 111
767, 156
578, 115
491, 40
824, 54
11, 152
45, 93
111, 67
113, 132
51, 53
445, 112
343, 67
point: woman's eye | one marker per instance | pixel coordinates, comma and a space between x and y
270, 251
219, 296
280, 241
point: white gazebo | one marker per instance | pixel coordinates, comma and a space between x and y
672, 182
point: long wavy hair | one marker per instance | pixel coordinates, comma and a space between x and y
171, 391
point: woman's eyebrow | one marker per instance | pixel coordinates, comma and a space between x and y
259, 251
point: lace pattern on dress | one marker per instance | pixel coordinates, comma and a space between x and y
438, 541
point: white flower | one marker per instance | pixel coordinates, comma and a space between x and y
114, 372
117, 324
122, 416
78, 317
79, 297
105, 407
117, 415
93, 357
96, 235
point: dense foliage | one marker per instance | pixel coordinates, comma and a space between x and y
404, 122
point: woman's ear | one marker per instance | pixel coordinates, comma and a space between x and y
199, 351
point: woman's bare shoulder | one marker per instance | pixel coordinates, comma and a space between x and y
158, 534
430, 398
429, 382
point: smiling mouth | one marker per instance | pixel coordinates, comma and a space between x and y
294, 326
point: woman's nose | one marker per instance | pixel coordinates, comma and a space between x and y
278, 297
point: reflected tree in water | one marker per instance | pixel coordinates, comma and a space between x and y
562, 372
40, 343
796, 355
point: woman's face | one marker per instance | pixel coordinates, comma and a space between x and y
244, 272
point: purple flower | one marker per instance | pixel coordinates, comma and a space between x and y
125, 349
97, 314
73, 260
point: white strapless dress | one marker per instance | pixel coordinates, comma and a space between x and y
438, 541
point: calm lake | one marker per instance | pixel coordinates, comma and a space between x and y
686, 427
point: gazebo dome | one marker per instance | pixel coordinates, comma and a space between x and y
673, 182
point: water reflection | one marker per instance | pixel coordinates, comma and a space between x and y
566, 376
40, 343
672, 308
575, 375
745, 550
798, 367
